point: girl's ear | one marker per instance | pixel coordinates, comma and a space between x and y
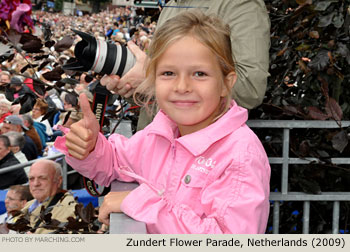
229, 82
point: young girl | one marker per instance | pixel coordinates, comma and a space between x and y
200, 168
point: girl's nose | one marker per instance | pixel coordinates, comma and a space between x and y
183, 84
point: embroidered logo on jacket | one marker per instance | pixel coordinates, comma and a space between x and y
203, 164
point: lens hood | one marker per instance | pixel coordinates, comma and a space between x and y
84, 52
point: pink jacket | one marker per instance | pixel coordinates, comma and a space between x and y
213, 181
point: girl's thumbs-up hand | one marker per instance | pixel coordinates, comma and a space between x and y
81, 138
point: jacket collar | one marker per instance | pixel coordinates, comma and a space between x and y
7, 157
198, 142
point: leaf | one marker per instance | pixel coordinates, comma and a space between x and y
303, 2
304, 148
290, 110
326, 20
74, 224
272, 109
39, 87
316, 114
70, 72
338, 20
333, 109
309, 186
343, 51
320, 61
303, 66
46, 217
11, 57
86, 214
322, 154
27, 66
43, 64
59, 84
70, 81
40, 57
14, 37
32, 46
281, 52
3, 40
21, 225
314, 34
50, 43
24, 68
322, 5
54, 75
302, 47
340, 141
64, 44
27, 37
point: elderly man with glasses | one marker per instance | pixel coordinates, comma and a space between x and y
16, 198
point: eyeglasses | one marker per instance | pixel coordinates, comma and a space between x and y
11, 199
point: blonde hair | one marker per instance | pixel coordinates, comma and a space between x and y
209, 30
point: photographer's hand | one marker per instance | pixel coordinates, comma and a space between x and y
81, 138
126, 85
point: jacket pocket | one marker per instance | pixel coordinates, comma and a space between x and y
190, 191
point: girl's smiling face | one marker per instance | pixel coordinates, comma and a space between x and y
190, 84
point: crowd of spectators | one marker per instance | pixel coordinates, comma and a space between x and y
29, 121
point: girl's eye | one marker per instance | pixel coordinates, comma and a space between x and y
199, 74
167, 73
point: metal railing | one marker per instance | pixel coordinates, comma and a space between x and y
284, 195
65, 172
285, 161
121, 223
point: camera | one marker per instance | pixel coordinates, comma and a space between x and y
104, 58
101, 56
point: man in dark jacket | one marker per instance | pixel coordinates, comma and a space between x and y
7, 159
15, 123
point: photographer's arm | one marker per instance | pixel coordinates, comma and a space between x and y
250, 41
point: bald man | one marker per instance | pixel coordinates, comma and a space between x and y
45, 180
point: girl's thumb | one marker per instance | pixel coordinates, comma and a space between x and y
85, 107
